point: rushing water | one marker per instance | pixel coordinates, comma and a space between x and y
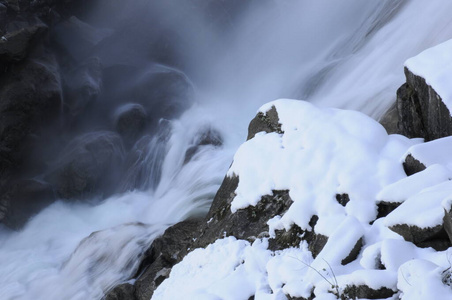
347, 54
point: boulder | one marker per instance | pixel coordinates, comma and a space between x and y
384, 208
31, 101
422, 113
447, 220
77, 39
206, 136
412, 166
163, 92
82, 86
284, 239
89, 165
12, 4
164, 253
130, 121
342, 199
123, 291
18, 39
268, 122
24, 199
249, 223
390, 119
3, 10
434, 237
365, 292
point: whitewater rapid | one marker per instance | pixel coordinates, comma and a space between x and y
346, 54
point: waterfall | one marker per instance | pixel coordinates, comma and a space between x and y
346, 54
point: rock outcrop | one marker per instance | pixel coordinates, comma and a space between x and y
87, 166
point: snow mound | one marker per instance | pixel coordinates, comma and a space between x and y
322, 153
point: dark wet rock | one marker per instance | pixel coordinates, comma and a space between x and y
422, 113
447, 221
123, 291
384, 208
342, 199
268, 122
249, 223
164, 92
410, 121
24, 199
130, 121
434, 237
354, 252
82, 86
411, 165
77, 39
207, 136
390, 119
15, 44
3, 10
301, 298
286, 239
365, 292
163, 254
292, 238
88, 166
31, 101
12, 4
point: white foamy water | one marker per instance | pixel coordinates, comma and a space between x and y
346, 54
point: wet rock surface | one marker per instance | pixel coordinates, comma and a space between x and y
422, 113
434, 237
22, 200
130, 121
411, 165
86, 167
268, 122
365, 292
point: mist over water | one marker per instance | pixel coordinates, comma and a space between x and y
227, 60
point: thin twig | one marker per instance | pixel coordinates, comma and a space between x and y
311, 267
334, 276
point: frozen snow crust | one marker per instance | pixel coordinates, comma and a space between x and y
322, 153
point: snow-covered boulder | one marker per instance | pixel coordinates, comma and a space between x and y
391, 196
423, 155
317, 204
425, 101
420, 218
